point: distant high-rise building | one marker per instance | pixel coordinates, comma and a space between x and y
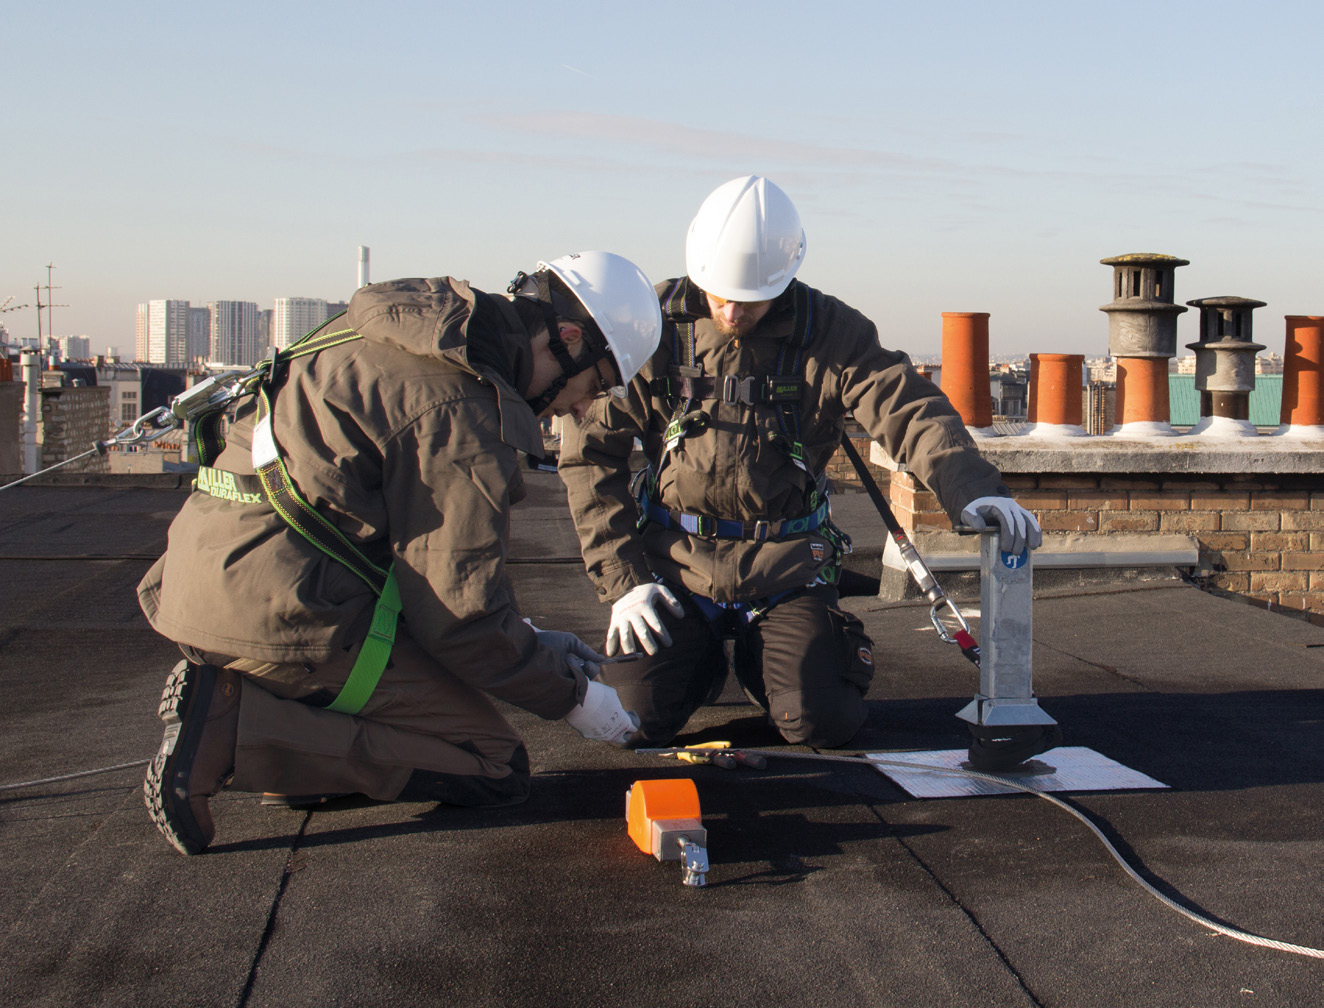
140, 334
263, 331
74, 347
1100, 406
199, 333
233, 332
162, 333
292, 318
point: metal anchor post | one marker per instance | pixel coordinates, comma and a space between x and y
1005, 717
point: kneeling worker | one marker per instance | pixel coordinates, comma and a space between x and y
372, 475
729, 536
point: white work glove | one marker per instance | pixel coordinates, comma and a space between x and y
635, 618
1020, 528
576, 653
601, 718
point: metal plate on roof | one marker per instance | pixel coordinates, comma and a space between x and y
1067, 768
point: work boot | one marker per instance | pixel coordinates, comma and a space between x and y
200, 708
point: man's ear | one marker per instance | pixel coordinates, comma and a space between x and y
571, 333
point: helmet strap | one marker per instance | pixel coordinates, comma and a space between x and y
555, 307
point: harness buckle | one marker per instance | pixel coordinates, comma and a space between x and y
736, 389
699, 525
761, 530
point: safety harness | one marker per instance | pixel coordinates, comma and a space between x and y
272, 486
686, 387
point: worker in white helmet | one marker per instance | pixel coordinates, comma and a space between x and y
728, 533
336, 581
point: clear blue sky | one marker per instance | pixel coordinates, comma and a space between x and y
944, 157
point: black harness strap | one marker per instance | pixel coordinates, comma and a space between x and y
919, 570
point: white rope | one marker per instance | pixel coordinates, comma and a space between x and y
1230, 932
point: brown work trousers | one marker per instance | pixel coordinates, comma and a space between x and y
805, 661
424, 734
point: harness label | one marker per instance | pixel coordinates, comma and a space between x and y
219, 483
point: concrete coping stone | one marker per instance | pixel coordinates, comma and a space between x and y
1132, 456
952, 551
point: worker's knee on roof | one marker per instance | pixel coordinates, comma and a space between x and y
656, 729
822, 719
662, 705
472, 790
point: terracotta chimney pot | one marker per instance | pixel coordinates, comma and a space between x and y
1055, 393
1142, 396
965, 368
1303, 373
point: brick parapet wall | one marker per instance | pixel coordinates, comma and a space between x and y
11, 426
1260, 536
840, 471
72, 420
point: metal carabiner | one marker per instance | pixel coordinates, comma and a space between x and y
212, 394
943, 633
161, 421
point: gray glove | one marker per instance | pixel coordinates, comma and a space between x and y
576, 653
1020, 528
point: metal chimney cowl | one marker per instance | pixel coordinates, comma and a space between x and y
1142, 318
1225, 354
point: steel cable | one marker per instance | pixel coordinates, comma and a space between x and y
1230, 932
72, 776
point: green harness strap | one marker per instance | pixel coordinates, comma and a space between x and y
279, 492
375, 653
284, 496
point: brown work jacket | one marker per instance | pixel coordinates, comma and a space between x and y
407, 443
738, 468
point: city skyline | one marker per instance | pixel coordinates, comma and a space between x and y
962, 158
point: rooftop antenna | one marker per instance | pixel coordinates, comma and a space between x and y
4, 333
50, 325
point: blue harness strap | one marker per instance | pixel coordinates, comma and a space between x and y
726, 528
724, 612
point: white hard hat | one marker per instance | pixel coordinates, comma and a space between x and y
746, 242
620, 300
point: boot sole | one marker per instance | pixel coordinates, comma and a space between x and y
165, 789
